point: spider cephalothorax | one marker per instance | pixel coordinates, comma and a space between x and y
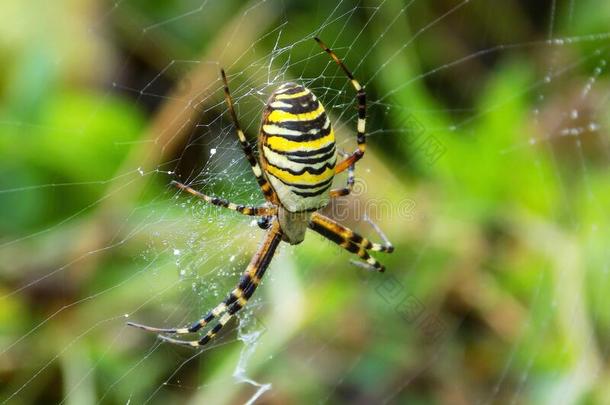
298, 162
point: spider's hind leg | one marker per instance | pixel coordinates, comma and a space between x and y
235, 296
351, 241
351, 179
217, 311
265, 212
236, 300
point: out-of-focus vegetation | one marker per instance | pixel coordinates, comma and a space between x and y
489, 150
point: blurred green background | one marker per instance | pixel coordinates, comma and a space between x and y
487, 167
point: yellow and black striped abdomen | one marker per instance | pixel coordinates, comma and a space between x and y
297, 148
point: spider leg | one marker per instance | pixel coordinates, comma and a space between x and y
237, 299
351, 178
361, 97
217, 311
245, 145
245, 280
243, 209
351, 241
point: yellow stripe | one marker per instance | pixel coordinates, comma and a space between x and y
279, 115
305, 178
289, 96
284, 145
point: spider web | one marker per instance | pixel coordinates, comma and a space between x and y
134, 248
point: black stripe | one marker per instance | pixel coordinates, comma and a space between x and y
301, 126
325, 149
291, 88
308, 169
326, 233
219, 201
243, 282
319, 159
301, 105
302, 137
216, 328
361, 104
354, 249
261, 182
197, 325
326, 183
236, 307
307, 98
311, 193
304, 186
356, 238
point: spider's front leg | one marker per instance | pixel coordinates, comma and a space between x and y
245, 144
260, 210
236, 300
361, 125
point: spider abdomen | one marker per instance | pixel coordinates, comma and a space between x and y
297, 148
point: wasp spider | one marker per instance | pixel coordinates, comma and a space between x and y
298, 162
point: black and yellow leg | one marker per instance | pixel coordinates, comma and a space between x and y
219, 310
350, 240
242, 209
239, 296
351, 178
234, 296
361, 126
246, 145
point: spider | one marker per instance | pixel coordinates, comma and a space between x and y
296, 167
